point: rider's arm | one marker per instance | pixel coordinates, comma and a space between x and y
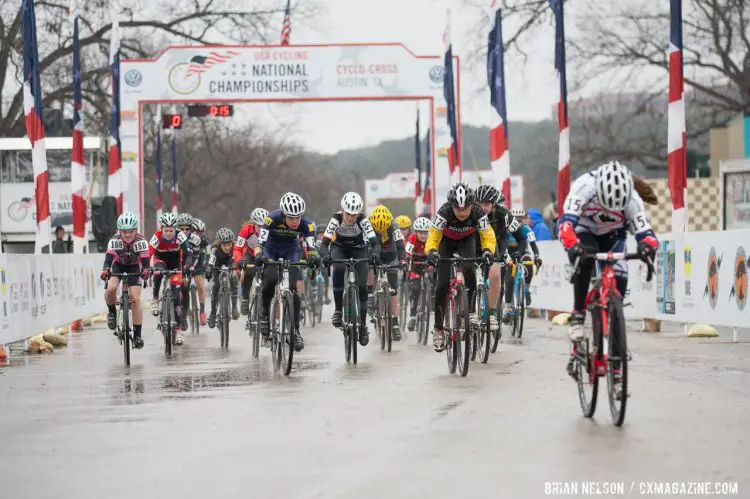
638, 222
486, 233
581, 192
109, 256
530, 238
436, 233
308, 237
330, 232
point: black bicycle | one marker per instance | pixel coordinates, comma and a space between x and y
425, 305
194, 306
253, 325
167, 319
123, 331
224, 314
350, 307
383, 313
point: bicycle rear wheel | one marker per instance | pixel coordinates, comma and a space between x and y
463, 338
587, 351
483, 334
519, 298
167, 307
125, 326
253, 321
403, 305
387, 317
618, 357
286, 352
274, 323
194, 310
311, 304
346, 311
451, 346
319, 301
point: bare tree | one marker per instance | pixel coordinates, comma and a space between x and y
144, 31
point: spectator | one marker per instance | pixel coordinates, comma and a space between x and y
536, 221
59, 245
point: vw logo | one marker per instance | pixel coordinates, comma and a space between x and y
436, 74
133, 78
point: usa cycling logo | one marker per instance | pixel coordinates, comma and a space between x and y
133, 78
436, 74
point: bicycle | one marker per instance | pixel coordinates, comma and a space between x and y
167, 321
224, 315
383, 316
425, 304
253, 325
456, 315
124, 314
306, 303
481, 332
522, 265
281, 319
194, 311
350, 307
605, 353
318, 285
403, 299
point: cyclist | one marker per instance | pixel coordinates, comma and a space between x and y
279, 238
391, 243
169, 250
600, 208
222, 254
518, 247
320, 231
185, 225
416, 255
348, 234
491, 200
454, 230
199, 230
404, 223
244, 253
127, 252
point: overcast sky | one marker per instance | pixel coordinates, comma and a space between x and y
418, 24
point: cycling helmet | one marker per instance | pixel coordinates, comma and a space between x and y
184, 220
488, 194
614, 185
258, 216
127, 221
225, 235
518, 212
422, 224
198, 225
381, 218
403, 222
352, 203
168, 220
292, 205
461, 195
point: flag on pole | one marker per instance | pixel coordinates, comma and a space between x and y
33, 112
427, 192
159, 169
418, 159
114, 186
175, 185
78, 158
676, 131
286, 28
499, 151
563, 155
454, 162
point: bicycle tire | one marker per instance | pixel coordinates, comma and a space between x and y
403, 305
429, 301
273, 320
125, 331
286, 338
194, 310
586, 375
319, 301
353, 321
388, 317
497, 335
347, 330
465, 331
617, 338
311, 306
519, 317
166, 319
420, 312
225, 312
253, 322
451, 348
483, 334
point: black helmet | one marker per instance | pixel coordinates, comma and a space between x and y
461, 195
488, 194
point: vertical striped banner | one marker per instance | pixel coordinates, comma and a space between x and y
114, 186
449, 92
159, 169
676, 130
499, 147
286, 28
563, 155
78, 157
175, 183
417, 166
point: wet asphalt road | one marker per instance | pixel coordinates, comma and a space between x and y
213, 423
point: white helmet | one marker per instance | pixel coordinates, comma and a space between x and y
168, 219
352, 203
127, 221
292, 205
258, 216
614, 186
422, 224
518, 212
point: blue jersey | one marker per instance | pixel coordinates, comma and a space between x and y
527, 234
278, 240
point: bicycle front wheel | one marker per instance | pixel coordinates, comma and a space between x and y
253, 322
346, 311
617, 363
463, 336
166, 320
483, 335
194, 310
451, 332
352, 321
403, 304
519, 299
225, 317
286, 352
125, 327
586, 353
387, 316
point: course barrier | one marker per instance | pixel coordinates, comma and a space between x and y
701, 277
41, 292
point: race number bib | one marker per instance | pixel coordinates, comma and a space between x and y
140, 246
115, 245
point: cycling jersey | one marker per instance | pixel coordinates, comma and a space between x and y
278, 238
172, 252
357, 235
527, 237
134, 253
247, 239
446, 224
502, 223
584, 213
415, 247
392, 241
218, 258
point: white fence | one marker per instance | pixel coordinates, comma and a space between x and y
701, 277
39, 292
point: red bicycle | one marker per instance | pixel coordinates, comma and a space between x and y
604, 351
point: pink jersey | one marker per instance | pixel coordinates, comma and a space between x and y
128, 254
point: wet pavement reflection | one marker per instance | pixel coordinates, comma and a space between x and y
213, 422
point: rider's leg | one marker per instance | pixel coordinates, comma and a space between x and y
137, 309
110, 298
494, 292
339, 271
393, 282
233, 290
441, 291
214, 301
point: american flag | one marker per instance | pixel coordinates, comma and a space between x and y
427, 192
114, 186
32, 108
200, 63
499, 152
159, 169
676, 136
286, 28
563, 154
449, 93
175, 184
418, 158
78, 159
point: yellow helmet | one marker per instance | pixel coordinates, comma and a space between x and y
403, 221
381, 218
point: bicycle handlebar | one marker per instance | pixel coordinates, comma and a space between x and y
611, 257
351, 261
